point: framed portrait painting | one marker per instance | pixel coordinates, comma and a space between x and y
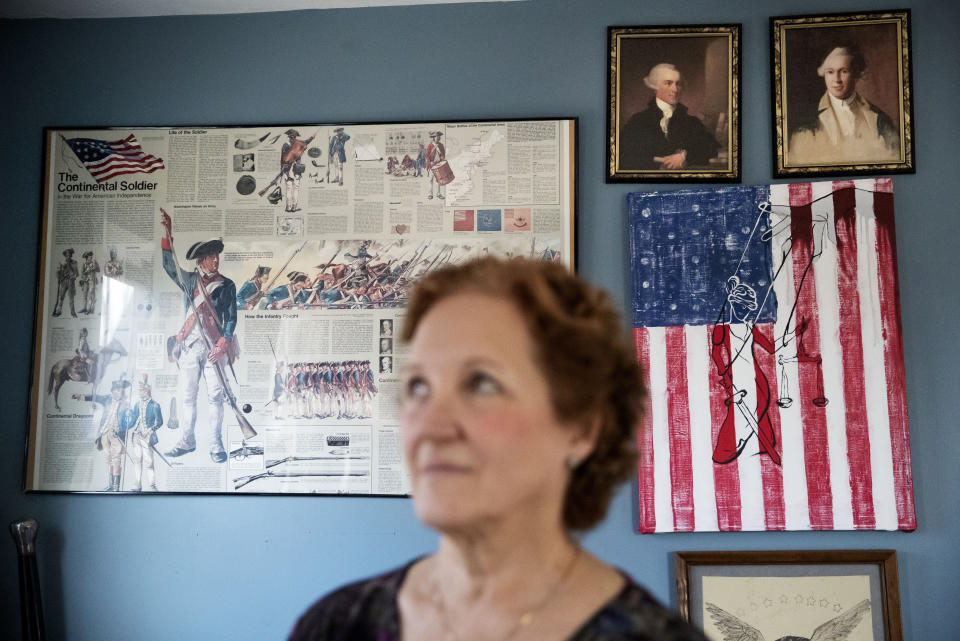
842, 94
791, 594
674, 104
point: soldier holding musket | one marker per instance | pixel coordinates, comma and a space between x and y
114, 267
89, 277
296, 292
203, 345
293, 391
326, 390
340, 384
278, 390
367, 389
314, 389
436, 153
67, 273
291, 169
252, 290
303, 387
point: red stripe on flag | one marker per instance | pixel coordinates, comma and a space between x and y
893, 359
134, 153
138, 158
118, 163
726, 476
851, 348
807, 325
765, 367
645, 478
801, 194
884, 185
123, 171
678, 417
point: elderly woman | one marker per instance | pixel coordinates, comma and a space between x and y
519, 399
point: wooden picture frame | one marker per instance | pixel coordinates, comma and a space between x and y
842, 94
790, 592
700, 141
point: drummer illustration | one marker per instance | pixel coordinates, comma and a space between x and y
437, 166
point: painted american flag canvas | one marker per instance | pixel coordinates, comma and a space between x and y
767, 320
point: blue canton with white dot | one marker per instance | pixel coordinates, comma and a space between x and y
686, 244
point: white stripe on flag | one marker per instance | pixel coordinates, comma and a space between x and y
828, 306
796, 509
701, 442
748, 463
663, 506
878, 417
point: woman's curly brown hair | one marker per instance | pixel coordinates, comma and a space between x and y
584, 354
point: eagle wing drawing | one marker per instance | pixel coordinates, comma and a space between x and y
840, 627
732, 628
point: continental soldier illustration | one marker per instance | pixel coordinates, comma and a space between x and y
67, 273
110, 435
89, 277
142, 422
337, 155
205, 343
114, 267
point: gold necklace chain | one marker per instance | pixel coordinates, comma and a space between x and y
525, 619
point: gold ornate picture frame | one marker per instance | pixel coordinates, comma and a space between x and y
674, 104
842, 94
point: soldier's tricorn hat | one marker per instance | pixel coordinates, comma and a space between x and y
87, 254
68, 252
436, 134
262, 270
338, 130
296, 277
120, 384
292, 132
204, 248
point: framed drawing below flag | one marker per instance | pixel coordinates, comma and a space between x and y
767, 322
789, 594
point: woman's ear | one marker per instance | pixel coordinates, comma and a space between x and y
583, 439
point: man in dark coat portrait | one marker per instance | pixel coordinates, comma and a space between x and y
664, 135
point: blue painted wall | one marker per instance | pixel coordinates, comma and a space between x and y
242, 568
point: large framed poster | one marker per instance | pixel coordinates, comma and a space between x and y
217, 306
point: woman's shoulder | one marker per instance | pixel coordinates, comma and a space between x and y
359, 611
635, 615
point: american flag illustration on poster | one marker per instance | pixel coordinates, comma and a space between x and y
109, 159
767, 320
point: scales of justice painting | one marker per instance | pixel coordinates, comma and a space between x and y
767, 321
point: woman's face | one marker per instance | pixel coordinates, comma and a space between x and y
479, 432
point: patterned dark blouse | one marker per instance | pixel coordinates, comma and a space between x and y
367, 611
